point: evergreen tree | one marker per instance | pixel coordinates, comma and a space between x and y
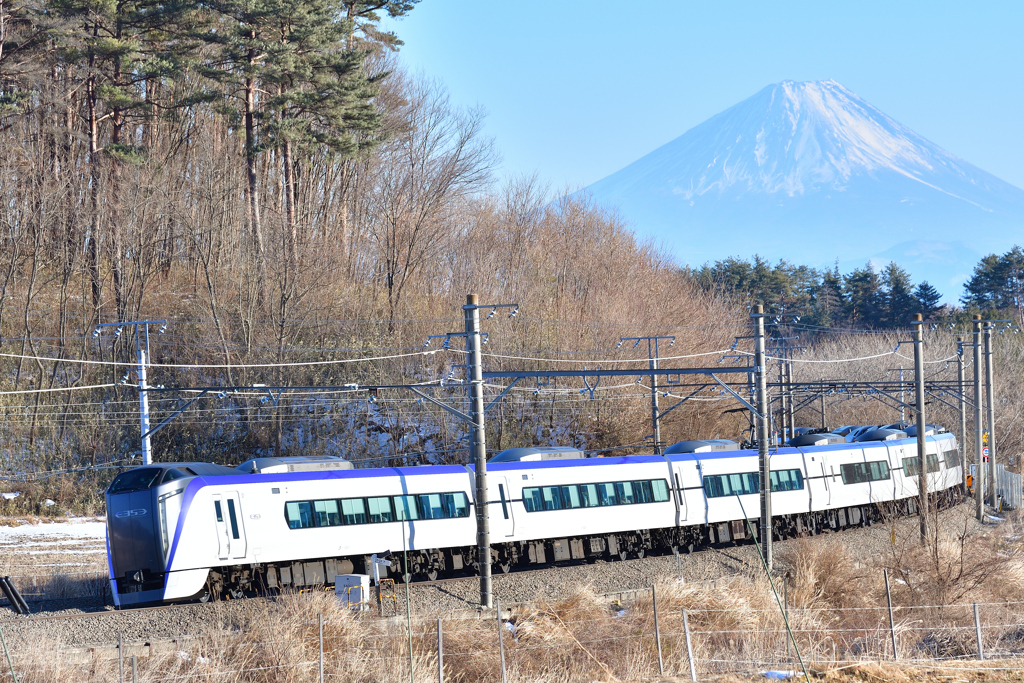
865, 303
928, 299
899, 301
828, 301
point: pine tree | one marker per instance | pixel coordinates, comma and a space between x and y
828, 300
899, 301
927, 299
864, 298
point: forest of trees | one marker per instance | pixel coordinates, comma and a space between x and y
266, 177
866, 298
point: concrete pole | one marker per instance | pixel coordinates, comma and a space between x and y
783, 409
789, 391
990, 406
764, 464
963, 405
479, 445
979, 459
903, 407
922, 477
655, 415
147, 449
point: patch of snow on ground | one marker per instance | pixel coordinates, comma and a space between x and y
86, 528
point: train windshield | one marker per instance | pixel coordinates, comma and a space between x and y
135, 480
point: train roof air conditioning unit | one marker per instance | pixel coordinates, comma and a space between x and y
297, 463
534, 453
823, 439
702, 446
881, 435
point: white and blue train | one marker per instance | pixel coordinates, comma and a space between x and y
186, 531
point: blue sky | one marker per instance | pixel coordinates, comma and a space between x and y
576, 90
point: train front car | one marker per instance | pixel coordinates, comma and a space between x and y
142, 512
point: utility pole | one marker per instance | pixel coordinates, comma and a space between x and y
789, 403
823, 427
142, 358
979, 458
963, 403
652, 363
783, 407
903, 407
479, 445
991, 421
764, 464
922, 477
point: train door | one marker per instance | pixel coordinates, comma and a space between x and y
230, 531
680, 497
234, 522
507, 510
220, 517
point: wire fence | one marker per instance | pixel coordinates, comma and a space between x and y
652, 634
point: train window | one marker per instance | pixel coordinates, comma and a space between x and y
722, 485
660, 488
531, 500
326, 512
551, 497
504, 503
380, 509
135, 480
220, 513
353, 511
234, 520
787, 480
952, 458
912, 466
457, 505
405, 508
571, 496
606, 494
588, 495
624, 492
642, 491
173, 473
430, 504
299, 515
864, 472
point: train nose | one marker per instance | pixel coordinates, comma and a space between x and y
136, 558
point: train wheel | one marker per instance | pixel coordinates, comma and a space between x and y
623, 555
205, 597
432, 574
504, 566
236, 593
639, 553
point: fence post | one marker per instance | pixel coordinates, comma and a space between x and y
320, 625
7, 653
135, 669
689, 647
440, 654
785, 612
892, 625
501, 641
657, 632
977, 632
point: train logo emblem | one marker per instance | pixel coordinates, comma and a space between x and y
138, 512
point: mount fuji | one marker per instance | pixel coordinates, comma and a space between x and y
810, 172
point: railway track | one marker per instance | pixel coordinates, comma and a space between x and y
720, 552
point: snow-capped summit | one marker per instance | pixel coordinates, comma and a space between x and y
810, 172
